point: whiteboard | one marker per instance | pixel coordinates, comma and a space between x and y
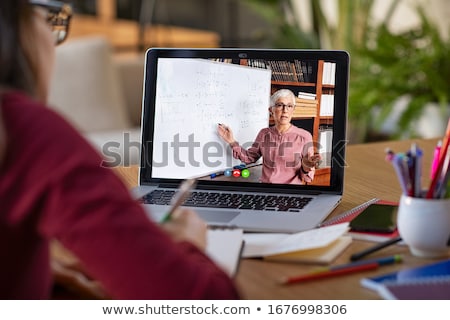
192, 97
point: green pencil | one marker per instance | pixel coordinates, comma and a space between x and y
184, 191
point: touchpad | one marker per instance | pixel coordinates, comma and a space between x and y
219, 216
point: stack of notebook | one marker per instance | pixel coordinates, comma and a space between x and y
428, 282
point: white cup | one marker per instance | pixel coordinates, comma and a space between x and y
424, 225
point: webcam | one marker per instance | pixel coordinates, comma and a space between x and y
242, 55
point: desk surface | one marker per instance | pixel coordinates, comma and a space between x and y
367, 176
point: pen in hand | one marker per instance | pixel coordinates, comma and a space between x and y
224, 126
178, 199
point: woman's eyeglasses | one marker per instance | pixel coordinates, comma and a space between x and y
281, 106
58, 17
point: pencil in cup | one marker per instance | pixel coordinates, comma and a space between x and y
397, 161
436, 156
439, 178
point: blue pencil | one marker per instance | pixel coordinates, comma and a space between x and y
213, 175
398, 163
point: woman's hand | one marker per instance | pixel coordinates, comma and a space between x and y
70, 274
311, 161
225, 133
186, 225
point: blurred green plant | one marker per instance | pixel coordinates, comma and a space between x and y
285, 31
414, 64
384, 65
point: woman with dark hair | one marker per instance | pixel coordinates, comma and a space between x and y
53, 187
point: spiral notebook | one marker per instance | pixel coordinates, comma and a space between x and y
425, 282
316, 246
430, 289
351, 214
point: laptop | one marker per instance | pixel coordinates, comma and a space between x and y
188, 92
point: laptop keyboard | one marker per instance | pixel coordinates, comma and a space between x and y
231, 200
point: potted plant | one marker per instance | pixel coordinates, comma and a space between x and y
386, 67
413, 65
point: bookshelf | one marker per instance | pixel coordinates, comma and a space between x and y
315, 103
314, 83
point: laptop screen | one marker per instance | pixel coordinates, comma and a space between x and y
247, 118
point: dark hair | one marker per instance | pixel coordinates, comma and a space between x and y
16, 70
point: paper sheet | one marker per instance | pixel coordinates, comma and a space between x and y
264, 244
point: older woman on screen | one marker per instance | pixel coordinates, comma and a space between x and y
287, 151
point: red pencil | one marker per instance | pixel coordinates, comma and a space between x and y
343, 269
329, 273
443, 153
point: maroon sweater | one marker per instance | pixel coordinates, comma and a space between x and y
52, 186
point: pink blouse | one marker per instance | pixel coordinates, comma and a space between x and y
282, 154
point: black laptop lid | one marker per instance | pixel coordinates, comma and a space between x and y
188, 92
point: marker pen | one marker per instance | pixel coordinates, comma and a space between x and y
216, 174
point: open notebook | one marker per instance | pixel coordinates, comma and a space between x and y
188, 92
316, 246
224, 247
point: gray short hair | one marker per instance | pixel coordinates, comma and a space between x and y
282, 93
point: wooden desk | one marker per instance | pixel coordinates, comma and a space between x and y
367, 176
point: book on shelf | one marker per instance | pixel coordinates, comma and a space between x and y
327, 105
223, 60
298, 68
412, 283
325, 141
305, 102
305, 112
328, 73
306, 95
351, 214
316, 246
289, 71
280, 72
257, 63
224, 247
305, 108
307, 67
295, 73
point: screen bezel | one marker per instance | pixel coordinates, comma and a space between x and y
339, 121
